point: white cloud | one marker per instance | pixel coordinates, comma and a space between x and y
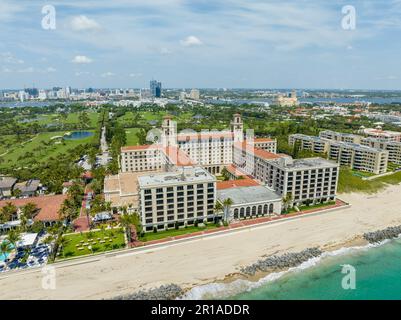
165, 51
8, 9
50, 69
8, 57
81, 60
83, 23
135, 75
107, 74
26, 70
191, 41
81, 73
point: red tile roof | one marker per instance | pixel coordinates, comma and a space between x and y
141, 147
178, 156
48, 206
236, 183
204, 135
263, 140
256, 151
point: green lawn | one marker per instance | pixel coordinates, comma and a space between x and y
149, 236
348, 182
39, 148
132, 139
56, 118
71, 249
362, 173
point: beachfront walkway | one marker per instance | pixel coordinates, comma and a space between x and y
242, 223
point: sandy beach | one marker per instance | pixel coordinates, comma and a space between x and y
210, 259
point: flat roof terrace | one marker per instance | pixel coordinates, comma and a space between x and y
248, 195
181, 176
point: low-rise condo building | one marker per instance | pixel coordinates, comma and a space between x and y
356, 156
381, 134
393, 148
339, 136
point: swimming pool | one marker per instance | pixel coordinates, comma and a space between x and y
4, 256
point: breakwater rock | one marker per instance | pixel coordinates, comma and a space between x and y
165, 292
380, 235
284, 261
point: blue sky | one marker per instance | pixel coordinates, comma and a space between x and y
201, 43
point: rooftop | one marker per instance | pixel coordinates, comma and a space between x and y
204, 135
248, 195
48, 206
178, 156
247, 182
28, 186
7, 182
304, 164
140, 147
256, 151
181, 176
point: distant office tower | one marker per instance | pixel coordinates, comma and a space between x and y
42, 95
156, 88
194, 95
68, 91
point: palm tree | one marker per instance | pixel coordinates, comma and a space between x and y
62, 243
13, 236
9, 210
5, 250
287, 200
29, 210
218, 208
24, 223
227, 203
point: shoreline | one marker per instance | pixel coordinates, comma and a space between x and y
358, 242
216, 259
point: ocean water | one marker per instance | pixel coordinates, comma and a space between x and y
377, 276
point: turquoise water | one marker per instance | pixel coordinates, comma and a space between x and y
78, 135
378, 276
4, 256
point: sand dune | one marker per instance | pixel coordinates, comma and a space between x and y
209, 259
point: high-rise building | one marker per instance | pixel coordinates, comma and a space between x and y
194, 95
156, 88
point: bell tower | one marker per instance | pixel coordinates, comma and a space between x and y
169, 132
237, 127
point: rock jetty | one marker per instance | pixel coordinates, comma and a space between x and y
165, 292
284, 261
380, 235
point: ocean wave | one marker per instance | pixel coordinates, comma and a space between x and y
220, 290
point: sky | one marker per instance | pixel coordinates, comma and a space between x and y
201, 44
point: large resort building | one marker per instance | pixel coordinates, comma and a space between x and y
173, 181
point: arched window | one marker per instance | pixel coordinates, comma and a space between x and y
271, 208
248, 211
242, 212
254, 210
235, 213
260, 209
265, 209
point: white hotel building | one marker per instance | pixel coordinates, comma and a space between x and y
172, 182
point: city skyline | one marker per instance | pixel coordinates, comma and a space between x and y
200, 44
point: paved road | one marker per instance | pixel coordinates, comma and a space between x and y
103, 158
